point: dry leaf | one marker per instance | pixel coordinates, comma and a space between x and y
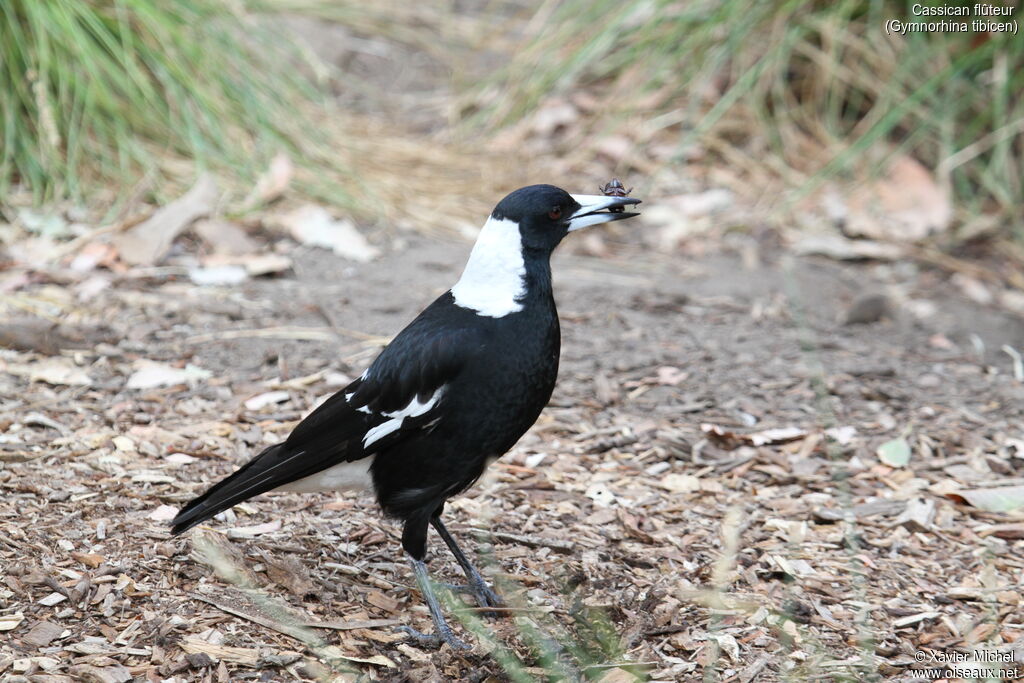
289, 572
843, 249
31, 334
57, 370
266, 399
225, 238
92, 560
906, 205
553, 116
42, 634
731, 439
332, 652
9, 622
679, 483
1011, 531
115, 673
775, 436
238, 655
671, 376
264, 264
163, 513
47, 224
1001, 499
151, 374
217, 276
895, 453
148, 242
313, 226
254, 530
273, 183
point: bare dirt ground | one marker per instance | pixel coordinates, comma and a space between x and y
653, 521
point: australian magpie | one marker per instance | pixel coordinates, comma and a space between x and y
451, 393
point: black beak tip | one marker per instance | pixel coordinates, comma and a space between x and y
620, 214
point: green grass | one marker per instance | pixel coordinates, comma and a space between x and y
96, 96
818, 86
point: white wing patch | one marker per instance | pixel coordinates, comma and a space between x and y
493, 279
414, 409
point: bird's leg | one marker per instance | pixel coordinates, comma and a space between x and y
477, 586
444, 633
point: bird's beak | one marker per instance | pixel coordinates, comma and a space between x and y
594, 209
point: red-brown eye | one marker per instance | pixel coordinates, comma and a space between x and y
555, 213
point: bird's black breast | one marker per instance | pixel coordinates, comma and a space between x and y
488, 405
503, 390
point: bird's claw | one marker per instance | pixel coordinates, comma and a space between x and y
486, 597
483, 594
434, 640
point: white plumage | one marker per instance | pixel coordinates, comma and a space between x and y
492, 282
414, 409
345, 476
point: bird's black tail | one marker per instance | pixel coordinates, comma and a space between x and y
259, 475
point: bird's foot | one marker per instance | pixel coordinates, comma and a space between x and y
435, 640
483, 594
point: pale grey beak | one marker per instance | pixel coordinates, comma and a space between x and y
594, 210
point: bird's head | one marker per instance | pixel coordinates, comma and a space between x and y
520, 235
545, 214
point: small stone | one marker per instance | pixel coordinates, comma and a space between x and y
869, 308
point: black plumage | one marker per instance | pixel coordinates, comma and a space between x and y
454, 389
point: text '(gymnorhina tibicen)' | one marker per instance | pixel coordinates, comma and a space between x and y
452, 392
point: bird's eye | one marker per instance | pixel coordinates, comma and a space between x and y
555, 213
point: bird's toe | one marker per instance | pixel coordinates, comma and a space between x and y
435, 640
483, 594
486, 597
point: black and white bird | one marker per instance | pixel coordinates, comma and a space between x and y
451, 393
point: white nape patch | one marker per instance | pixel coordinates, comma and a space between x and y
345, 476
494, 277
414, 409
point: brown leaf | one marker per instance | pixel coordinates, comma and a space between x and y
92, 560
1012, 530
980, 633
765, 437
632, 526
274, 181
224, 237
906, 205
96, 674
56, 370
999, 499
314, 226
378, 599
843, 249
42, 634
288, 572
31, 334
148, 242
238, 655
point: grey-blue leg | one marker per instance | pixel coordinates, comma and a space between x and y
444, 632
476, 585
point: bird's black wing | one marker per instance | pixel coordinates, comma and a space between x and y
400, 394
